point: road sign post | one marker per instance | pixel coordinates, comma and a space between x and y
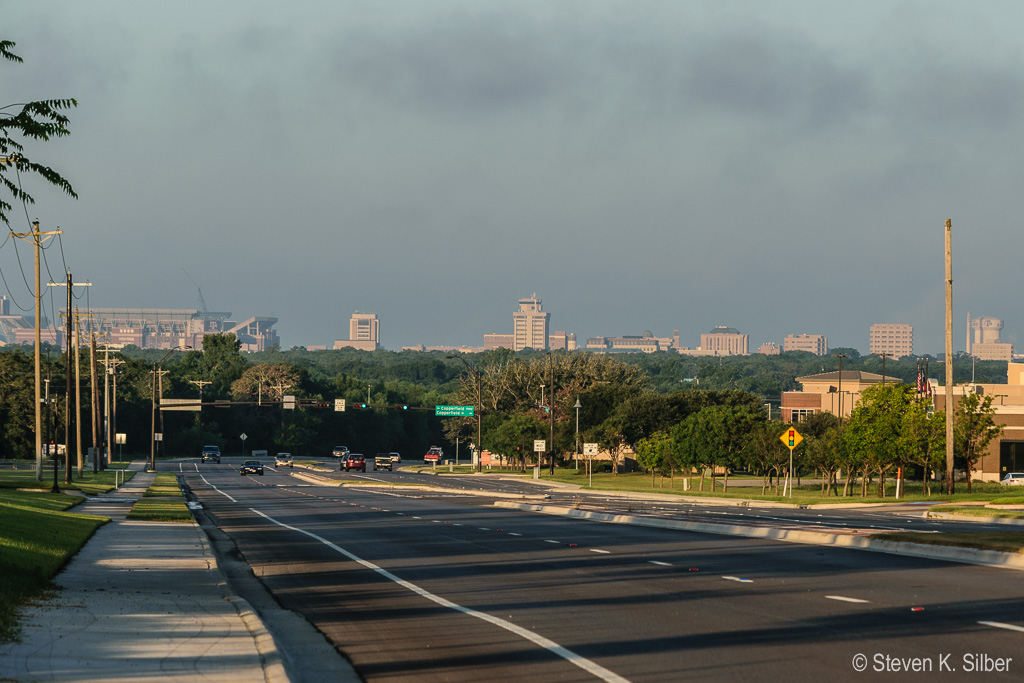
792, 439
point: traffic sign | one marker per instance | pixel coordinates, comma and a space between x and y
453, 411
791, 438
590, 449
539, 445
243, 436
339, 405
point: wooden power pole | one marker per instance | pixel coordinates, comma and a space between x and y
949, 357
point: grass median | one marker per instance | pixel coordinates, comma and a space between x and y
163, 501
37, 537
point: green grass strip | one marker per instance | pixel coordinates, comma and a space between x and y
1007, 542
162, 502
37, 537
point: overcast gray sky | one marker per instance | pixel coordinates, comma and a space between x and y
779, 167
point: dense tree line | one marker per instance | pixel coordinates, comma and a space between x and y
634, 401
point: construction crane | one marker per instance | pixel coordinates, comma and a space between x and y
202, 301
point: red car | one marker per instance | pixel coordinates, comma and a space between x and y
434, 454
353, 461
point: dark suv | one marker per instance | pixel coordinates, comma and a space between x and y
353, 461
211, 454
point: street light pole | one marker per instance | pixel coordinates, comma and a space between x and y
840, 356
156, 405
478, 410
577, 407
883, 355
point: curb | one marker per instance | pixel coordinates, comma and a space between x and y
270, 656
990, 558
313, 479
1011, 521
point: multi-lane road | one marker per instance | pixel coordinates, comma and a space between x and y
420, 585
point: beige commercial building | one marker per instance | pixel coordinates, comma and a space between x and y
830, 392
811, 343
893, 339
530, 325
725, 341
363, 333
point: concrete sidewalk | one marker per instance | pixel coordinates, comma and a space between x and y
141, 601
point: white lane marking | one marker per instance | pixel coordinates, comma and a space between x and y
203, 477
415, 517
660, 564
550, 541
453, 524
483, 528
598, 550
842, 598
512, 533
537, 639
736, 578
999, 624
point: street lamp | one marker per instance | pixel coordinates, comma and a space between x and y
883, 355
156, 403
577, 407
840, 356
478, 409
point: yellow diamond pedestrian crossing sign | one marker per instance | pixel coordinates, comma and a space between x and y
791, 438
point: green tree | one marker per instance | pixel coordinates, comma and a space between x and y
974, 428
655, 453
924, 439
41, 121
874, 430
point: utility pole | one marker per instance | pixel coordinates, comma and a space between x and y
949, 357
109, 403
94, 406
67, 402
37, 239
201, 383
78, 390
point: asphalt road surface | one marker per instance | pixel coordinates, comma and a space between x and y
426, 587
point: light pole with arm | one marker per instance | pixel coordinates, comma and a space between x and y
156, 405
478, 410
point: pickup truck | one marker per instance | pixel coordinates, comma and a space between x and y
382, 461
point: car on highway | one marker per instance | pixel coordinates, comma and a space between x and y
353, 461
283, 460
1013, 479
395, 457
211, 453
382, 461
340, 451
252, 467
434, 454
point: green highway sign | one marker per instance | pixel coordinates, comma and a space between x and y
453, 411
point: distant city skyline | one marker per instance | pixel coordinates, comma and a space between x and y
780, 168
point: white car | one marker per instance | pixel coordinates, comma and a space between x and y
1013, 479
283, 460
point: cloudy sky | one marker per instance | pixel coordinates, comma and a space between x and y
779, 167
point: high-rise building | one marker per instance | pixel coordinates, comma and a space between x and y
530, 325
725, 341
363, 333
812, 343
895, 339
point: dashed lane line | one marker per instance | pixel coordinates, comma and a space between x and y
578, 660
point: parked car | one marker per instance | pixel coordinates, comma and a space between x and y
434, 454
211, 453
252, 467
340, 451
1013, 479
353, 461
283, 460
